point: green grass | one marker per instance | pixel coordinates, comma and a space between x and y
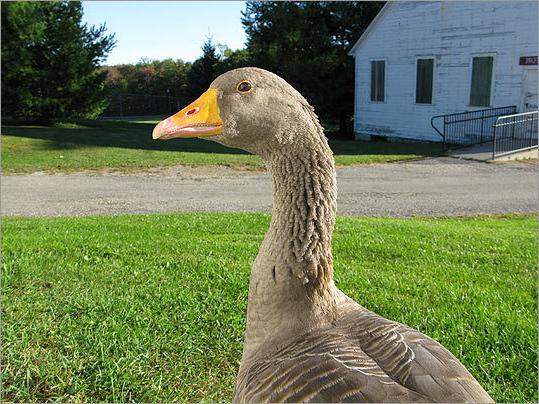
152, 308
128, 146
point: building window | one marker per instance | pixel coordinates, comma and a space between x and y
481, 81
378, 78
424, 79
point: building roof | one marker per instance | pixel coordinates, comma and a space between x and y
371, 26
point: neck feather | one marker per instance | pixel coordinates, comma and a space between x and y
304, 205
291, 288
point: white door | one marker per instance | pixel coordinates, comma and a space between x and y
529, 90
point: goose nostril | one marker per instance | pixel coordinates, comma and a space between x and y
192, 111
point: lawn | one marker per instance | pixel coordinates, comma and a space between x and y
128, 146
151, 308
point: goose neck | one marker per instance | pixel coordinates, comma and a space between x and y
291, 289
304, 206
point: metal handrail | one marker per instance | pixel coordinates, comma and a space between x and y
529, 141
462, 122
520, 114
434, 126
475, 111
436, 129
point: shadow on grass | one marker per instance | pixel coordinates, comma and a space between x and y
130, 135
138, 135
362, 147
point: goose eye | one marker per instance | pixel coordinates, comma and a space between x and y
244, 86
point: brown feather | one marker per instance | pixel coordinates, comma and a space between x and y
361, 358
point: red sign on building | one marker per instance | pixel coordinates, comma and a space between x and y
528, 61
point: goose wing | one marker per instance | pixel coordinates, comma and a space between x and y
362, 358
413, 359
324, 366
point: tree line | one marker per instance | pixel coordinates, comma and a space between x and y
52, 61
175, 78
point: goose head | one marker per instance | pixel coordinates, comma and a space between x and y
247, 108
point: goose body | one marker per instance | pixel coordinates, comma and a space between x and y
305, 340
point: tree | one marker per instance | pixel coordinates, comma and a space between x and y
149, 77
203, 70
50, 60
233, 60
307, 43
222, 49
171, 78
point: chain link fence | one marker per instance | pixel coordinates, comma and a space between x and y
125, 104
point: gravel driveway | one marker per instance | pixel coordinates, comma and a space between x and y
437, 187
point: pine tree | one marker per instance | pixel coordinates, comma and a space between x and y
307, 43
203, 70
50, 60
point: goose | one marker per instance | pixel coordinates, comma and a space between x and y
305, 340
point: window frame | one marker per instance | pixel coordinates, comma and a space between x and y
493, 74
417, 59
385, 80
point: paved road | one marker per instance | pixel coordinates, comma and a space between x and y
438, 187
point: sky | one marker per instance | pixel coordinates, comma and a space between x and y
166, 29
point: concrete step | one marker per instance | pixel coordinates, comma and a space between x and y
483, 152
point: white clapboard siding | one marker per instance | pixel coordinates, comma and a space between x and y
451, 32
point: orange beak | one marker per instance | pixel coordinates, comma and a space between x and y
200, 118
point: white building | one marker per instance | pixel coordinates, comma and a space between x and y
421, 59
